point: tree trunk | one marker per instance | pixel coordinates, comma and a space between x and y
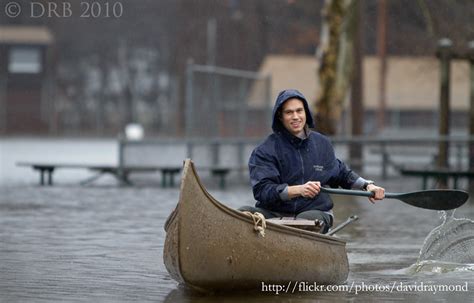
335, 57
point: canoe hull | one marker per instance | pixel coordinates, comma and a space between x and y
212, 247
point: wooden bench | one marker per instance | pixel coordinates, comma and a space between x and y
389, 156
168, 173
46, 171
220, 173
438, 174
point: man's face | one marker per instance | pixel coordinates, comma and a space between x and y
293, 116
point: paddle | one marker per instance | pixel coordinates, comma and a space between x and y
342, 225
437, 199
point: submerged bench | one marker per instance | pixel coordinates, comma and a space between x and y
169, 174
46, 171
218, 158
437, 173
121, 173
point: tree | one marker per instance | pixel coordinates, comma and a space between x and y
335, 57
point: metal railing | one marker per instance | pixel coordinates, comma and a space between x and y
421, 150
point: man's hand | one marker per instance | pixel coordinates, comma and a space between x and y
379, 192
310, 189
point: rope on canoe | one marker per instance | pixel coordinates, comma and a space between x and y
259, 222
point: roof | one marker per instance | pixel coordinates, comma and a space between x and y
412, 82
11, 34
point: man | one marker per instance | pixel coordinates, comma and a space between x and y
288, 169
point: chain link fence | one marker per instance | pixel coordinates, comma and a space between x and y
226, 103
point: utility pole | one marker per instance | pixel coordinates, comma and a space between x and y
471, 114
382, 54
444, 55
357, 93
211, 41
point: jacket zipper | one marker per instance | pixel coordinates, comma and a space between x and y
302, 166
302, 176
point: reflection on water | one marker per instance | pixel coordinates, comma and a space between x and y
104, 243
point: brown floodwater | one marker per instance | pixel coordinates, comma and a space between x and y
104, 243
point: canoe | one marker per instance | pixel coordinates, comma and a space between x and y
211, 247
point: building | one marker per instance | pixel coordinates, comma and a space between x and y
24, 79
412, 87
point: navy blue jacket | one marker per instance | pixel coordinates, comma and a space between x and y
284, 160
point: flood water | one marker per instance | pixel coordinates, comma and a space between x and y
104, 242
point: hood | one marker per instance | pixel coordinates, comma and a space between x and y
282, 97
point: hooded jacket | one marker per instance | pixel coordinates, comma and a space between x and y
284, 160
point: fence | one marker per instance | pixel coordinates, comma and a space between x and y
385, 156
381, 157
226, 103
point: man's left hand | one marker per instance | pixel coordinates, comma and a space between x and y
379, 192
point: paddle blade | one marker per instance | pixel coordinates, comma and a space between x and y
437, 199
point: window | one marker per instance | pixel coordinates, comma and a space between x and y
25, 60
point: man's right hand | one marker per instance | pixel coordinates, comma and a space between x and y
308, 190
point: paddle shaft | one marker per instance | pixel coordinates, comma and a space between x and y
360, 193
